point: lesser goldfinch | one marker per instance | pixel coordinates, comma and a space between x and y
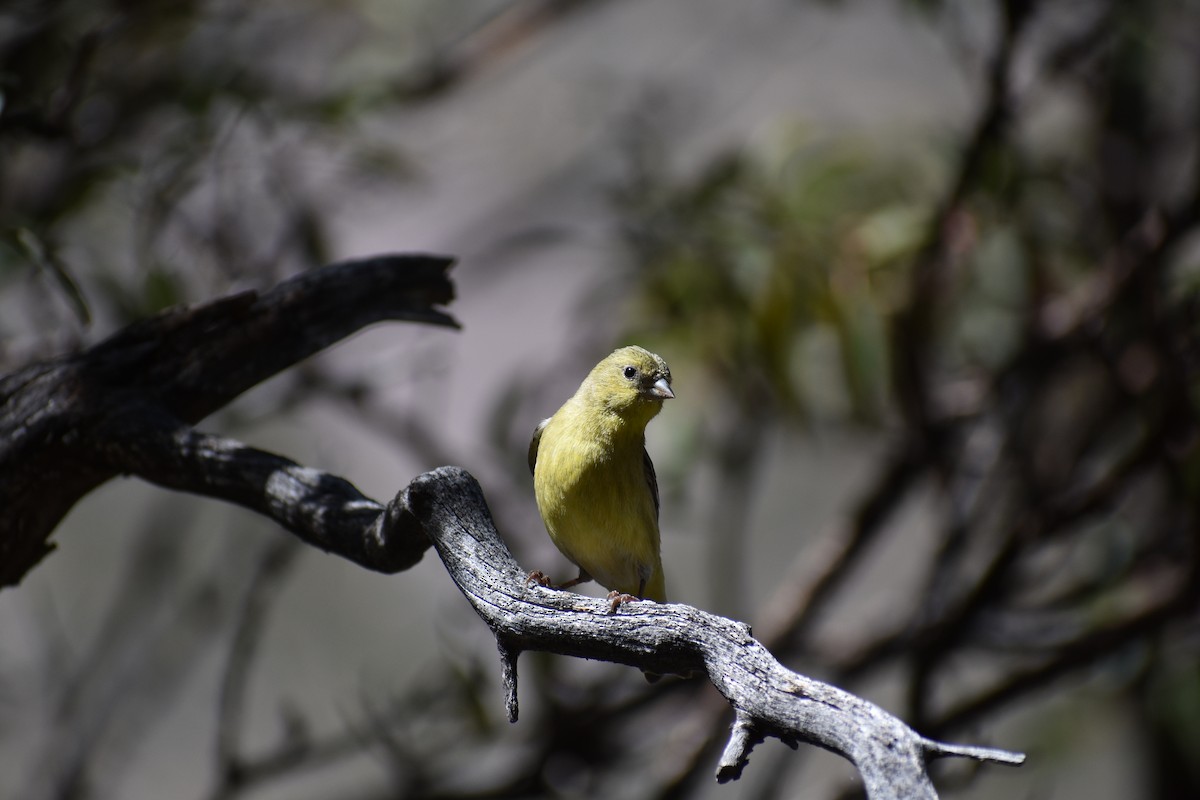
594, 481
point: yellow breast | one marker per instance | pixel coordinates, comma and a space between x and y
598, 507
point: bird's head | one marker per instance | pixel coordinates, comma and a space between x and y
631, 381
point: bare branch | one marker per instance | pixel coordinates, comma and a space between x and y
65, 425
448, 506
324, 510
127, 406
769, 699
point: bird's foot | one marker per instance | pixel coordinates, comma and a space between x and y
616, 598
540, 578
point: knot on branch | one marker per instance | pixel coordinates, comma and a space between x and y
396, 540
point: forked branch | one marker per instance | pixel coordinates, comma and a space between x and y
769, 700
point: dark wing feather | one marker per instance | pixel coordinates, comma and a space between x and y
651, 479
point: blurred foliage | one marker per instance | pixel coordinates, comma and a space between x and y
753, 266
1035, 278
1022, 316
769, 279
155, 153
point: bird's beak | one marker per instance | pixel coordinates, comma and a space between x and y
662, 389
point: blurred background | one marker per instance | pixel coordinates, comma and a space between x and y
926, 274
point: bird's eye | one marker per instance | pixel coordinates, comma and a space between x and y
630, 372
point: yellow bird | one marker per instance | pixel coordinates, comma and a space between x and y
594, 481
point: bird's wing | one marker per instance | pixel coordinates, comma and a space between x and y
651, 478
537, 439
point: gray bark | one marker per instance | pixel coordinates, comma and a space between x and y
768, 699
127, 405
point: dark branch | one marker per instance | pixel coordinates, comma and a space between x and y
124, 405
324, 510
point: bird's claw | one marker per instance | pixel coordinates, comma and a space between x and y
616, 598
540, 578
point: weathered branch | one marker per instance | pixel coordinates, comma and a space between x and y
769, 700
324, 510
121, 408
69, 425
127, 405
